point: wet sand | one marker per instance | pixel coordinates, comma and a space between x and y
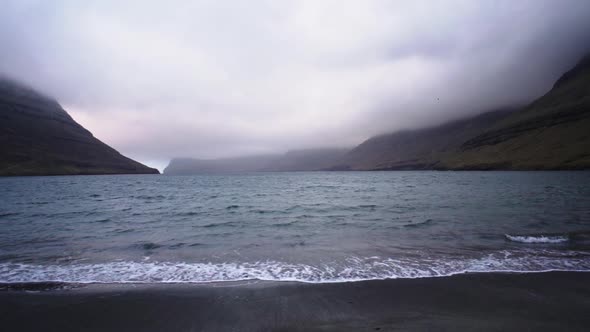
484, 302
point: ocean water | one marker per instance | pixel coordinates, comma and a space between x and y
308, 226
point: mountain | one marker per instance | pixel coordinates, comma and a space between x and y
185, 166
416, 149
38, 137
553, 132
307, 160
297, 160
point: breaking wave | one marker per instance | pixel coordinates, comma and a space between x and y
351, 269
538, 238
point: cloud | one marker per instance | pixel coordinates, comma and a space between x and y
219, 78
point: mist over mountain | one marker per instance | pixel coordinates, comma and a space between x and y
307, 160
297, 160
417, 149
552, 132
185, 166
38, 137
219, 79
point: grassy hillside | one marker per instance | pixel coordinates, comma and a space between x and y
417, 149
553, 132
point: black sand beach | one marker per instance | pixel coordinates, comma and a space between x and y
491, 302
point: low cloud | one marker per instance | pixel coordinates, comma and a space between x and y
223, 78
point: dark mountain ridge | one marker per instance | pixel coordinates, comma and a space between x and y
38, 137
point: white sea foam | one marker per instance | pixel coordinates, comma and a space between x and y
538, 238
352, 269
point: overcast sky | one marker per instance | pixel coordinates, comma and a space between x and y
163, 79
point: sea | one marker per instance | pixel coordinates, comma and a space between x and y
315, 227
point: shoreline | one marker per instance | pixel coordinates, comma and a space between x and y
52, 285
473, 301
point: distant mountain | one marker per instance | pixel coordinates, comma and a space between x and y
298, 160
38, 137
185, 166
307, 160
553, 132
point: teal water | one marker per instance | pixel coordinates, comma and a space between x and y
310, 226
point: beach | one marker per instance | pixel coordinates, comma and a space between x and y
319, 251
547, 301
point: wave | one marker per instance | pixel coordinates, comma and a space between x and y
538, 238
348, 270
582, 236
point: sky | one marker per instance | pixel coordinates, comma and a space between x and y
214, 78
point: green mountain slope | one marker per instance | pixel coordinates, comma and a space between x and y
553, 132
417, 149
